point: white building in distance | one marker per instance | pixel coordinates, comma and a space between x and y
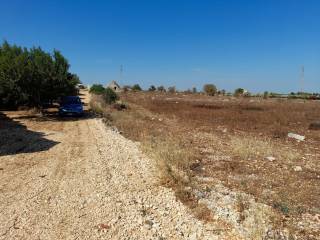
114, 86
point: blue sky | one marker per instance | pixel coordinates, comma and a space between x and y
259, 45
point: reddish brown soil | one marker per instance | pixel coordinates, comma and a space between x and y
195, 119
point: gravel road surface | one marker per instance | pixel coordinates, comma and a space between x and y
80, 180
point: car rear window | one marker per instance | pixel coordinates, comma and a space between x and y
71, 100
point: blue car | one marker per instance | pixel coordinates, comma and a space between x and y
71, 106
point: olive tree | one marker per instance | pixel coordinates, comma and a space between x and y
210, 89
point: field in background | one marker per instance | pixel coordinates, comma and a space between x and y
240, 142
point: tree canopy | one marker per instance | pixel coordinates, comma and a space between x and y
239, 91
33, 76
136, 87
110, 96
210, 89
97, 89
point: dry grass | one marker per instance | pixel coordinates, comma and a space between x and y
201, 211
174, 162
97, 105
172, 159
242, 205
252, 147
228, 139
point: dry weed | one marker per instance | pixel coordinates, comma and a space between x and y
250, 147
172, 159
251, 132
201, 211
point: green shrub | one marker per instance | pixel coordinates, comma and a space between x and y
97, 89
239, 92
110, 96
136, 87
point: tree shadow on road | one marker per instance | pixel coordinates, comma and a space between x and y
49, 115
15, 138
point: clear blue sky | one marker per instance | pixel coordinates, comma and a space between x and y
259, 45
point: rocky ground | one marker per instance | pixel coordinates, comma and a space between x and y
78, 179
237, 155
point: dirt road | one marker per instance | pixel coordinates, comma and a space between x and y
77, 179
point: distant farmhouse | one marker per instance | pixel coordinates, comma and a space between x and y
114, 86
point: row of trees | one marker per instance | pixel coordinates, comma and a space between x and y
209, 89
33, 76
135, 87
